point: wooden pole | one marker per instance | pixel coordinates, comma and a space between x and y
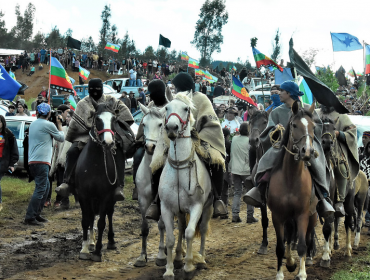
364, 92
49, 78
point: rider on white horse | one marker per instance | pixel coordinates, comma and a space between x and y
212, 141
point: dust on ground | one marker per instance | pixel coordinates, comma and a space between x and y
51, 252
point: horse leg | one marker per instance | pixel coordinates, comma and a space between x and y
360, 203
279, 230
181, 226
347, 225
195, 214
327, 230
289, 233
91, 234
204, 224
111, 243
144, 203
310, 240
336, 234
96, 255
302, 227
161, 259
85, 253
265, 224
167, 217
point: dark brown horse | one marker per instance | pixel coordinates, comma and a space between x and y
290, 191
258, 123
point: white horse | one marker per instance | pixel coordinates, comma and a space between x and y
184, 187
152, 122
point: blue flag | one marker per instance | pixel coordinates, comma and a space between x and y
8, 86
281, 77
345, 42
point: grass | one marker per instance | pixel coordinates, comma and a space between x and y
29, 102
357, 269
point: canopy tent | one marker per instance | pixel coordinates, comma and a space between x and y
10, 52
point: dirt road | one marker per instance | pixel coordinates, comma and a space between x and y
51, 252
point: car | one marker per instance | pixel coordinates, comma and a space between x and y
362, 124
138, 115
122, 84
259, 92
223, 99
18, 125
82, 90
3, 110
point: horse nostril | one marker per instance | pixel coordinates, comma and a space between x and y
304, 150
153, 147
176, 127
166, 127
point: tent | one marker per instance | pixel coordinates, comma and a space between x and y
10, 52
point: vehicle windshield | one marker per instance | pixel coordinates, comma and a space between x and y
14, 127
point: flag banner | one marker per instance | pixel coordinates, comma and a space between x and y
344, 42
207, 75
281, 77
184, 56
199, 72
234, 68
163, 41
72, 101
263, 60
367, 59
360, 74
320, 91
351, 73
83, 73
59, 78
193, 63
112, 47
307, 97
241, 92
215, 79
8, 86
73, 43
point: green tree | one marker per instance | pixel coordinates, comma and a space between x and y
309, 56
3, 32
276, 46
328, 78
208, 30
38, 40
162, 54
113, 34
54, 39
104, 31
254, 42
24, 27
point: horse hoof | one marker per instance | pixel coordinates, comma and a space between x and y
291, 268
189, 274
91, 247
177, 264
336, 246
84, 256
140, 263
262, 250
309, 262
201, 266
160, 262
169, 277
95, 257
111, 246
325, 263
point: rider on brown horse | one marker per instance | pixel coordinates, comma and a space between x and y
278, 119
345, 153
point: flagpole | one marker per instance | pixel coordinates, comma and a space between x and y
363, 93
49, 78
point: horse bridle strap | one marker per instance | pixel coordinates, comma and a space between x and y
184, 124
105, 130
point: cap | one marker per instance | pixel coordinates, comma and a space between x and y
43, 109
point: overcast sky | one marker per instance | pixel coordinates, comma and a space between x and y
308, 22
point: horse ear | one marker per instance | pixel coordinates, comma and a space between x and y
94, 103
144, 109
295, 107
190, 94
312, 108
162, 111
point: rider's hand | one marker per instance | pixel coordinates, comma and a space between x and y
11, 168
336, 134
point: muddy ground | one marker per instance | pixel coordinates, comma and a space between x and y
52, 252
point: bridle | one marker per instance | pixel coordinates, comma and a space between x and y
184, 124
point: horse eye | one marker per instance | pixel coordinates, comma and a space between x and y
294, 125
186, 109
143, 124
166, 108
160, 125
264, 122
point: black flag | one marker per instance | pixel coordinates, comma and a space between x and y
73, 43
320, 91
164, 41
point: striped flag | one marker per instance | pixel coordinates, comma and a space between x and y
112, 47
240, 92
72, 101
59, 78
367, 59
234, 68
263, 60
193, 63
84, 74
184, 56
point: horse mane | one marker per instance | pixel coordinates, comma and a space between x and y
183, 97
284, 142
155, 112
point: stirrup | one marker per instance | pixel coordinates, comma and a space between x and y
63, 190
339, 209
254, 198
118, 194
135, 195
219, 208
153, 212
325, 209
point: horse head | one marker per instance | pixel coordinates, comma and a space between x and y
104, 119
328, 134
258, 123
302, 132
152, 124
178, 115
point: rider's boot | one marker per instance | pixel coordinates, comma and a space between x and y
324, 206
255, 196
118, 194
217, 178
341, 181
154, 210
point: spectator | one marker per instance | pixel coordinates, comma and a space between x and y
36, 102
230, 122
204, 88
197, 84
155, 64
239, 162
125, 100
21, 110
145, 66
133, 102
221, 111
227, 181
41, 133
157, 76
150, 67
139, 76
11, 112
218, 91
132, 82
42, 52
142, 96
8, 151
32, 71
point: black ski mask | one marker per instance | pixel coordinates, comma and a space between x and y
96, 89
183, 82
157, 90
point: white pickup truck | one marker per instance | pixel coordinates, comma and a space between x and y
122, 84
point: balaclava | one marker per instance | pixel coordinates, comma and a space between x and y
96, 89
183, 82
157, 90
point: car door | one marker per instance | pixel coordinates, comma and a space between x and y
17, 127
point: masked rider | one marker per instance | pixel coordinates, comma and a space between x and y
345, 154
289, 92
78, 135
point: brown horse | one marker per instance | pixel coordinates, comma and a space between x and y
290, 191
258, 123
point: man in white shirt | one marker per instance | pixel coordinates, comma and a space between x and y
230, 122
155, 64
248, 82
132, 82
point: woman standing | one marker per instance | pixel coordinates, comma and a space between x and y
8, 152
21, 110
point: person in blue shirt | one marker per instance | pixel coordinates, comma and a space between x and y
42, 52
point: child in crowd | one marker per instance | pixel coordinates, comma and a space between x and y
32, 70
11, 112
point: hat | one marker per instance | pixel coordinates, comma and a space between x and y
292, 88
43, 109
